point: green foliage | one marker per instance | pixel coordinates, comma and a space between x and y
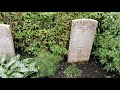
108, 42
36, 31
47, 64
72, 71
56, 49
31, 30
16, 68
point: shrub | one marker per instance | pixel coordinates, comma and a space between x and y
56, 49
108, 42
36, 31
30, 30
72, 71
47, 64
50, 31
16, 68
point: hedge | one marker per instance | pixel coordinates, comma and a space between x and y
35, 32
108, 42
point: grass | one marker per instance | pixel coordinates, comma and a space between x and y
72, 71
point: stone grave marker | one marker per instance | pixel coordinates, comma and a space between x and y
81, 39
6, 41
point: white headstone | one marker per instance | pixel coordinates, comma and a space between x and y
81, 39
6, 41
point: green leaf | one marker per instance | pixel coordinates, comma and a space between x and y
23, 70
3, 75
2, 70
16, 75
3, 60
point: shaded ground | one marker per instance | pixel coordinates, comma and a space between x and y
91, 69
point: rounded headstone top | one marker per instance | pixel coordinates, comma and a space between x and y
84, 23
85, 19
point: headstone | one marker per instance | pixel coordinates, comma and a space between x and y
81, 39
6, 41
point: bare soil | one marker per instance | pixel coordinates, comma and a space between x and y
91, 69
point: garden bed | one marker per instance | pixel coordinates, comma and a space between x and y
91, 69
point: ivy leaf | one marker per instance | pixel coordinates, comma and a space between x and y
18, 75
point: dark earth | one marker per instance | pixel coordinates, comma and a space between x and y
91, 69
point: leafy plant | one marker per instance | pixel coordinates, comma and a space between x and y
15, 68
72, 71
108, 42
47, 64
36, 31
56, 49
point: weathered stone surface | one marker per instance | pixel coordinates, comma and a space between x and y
81, 39
6, 41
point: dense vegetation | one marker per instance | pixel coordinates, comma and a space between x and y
35, 32
14, 67
72, 71
47, 64
108, 42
